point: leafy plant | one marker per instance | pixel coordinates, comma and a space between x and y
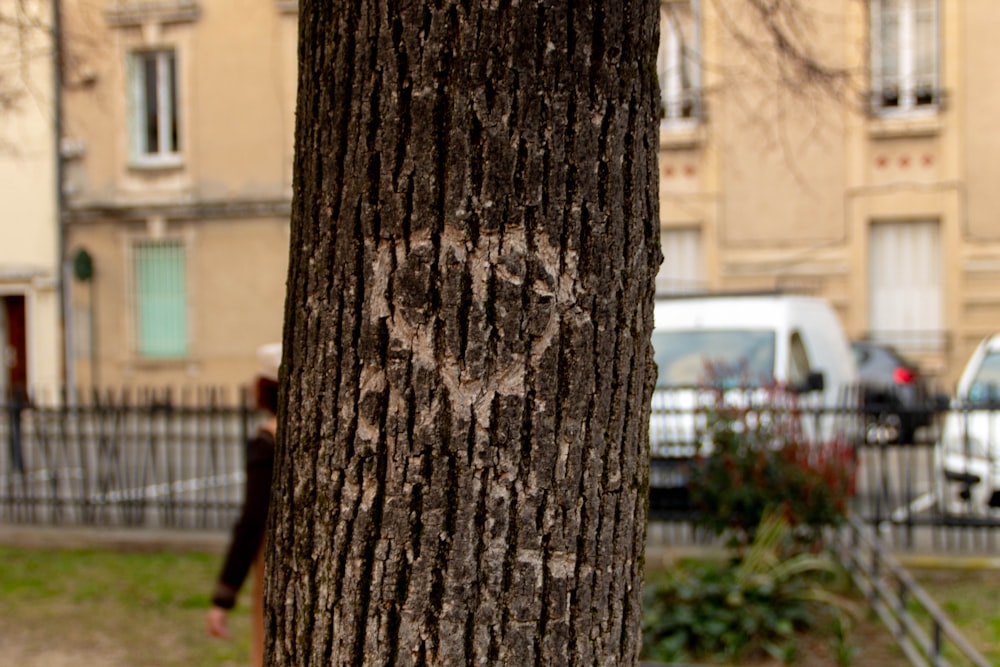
764, 482
843, 650
761, 459
738, 608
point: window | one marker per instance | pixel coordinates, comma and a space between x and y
155, 139
985, 385
160, 299
677, 64
683, 267
798, 362
727, 357
904, 36
906, 270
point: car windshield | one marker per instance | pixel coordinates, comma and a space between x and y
730, 357
985, 385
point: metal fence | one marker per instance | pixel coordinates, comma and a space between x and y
916, 494
141, 458
921, 629
150, 458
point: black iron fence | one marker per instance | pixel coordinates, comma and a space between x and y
921, 629
926, 476
149, 458
938, 490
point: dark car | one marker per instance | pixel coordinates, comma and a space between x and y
896, 397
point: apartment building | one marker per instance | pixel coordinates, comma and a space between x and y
178, 154
881, 197
30, 336
178, 133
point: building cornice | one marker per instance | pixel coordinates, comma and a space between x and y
206, 210
21, 272
137, 12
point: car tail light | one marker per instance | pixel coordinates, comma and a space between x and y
903, 375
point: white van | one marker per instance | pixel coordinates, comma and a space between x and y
743, 341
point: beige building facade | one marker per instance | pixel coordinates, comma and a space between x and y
30, 335
880, 196
178, 131
178, 157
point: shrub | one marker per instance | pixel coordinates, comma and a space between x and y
760, 459
772, 490
742, 608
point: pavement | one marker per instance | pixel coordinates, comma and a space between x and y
125, 539
659, 555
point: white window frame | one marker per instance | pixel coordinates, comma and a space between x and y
677, 66
167, 152
683, 268
915, 92
906, 284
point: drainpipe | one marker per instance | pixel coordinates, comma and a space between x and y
65, 278
700, 55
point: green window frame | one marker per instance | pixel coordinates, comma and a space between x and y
161, 325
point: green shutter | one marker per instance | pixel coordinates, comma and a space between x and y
161, 303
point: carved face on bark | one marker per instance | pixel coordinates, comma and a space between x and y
462, 462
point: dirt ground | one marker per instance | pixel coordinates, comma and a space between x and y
64, 635
872, 643
29, 648
20, 648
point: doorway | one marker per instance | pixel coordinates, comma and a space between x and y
13, 346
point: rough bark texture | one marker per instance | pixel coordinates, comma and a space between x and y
462, 468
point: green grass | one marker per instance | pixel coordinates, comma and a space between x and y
971, 600
969, 597
106, 608
112, 608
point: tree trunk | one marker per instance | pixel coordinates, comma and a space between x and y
462, 470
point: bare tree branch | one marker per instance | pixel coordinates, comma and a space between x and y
25, 35
779, 38
784, 66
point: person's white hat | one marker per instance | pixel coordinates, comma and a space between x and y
269, 358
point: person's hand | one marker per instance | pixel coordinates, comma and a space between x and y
217, 623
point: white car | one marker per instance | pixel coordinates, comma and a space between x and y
968, 453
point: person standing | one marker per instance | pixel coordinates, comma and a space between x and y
246, 545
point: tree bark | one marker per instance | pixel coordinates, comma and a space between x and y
461, 475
